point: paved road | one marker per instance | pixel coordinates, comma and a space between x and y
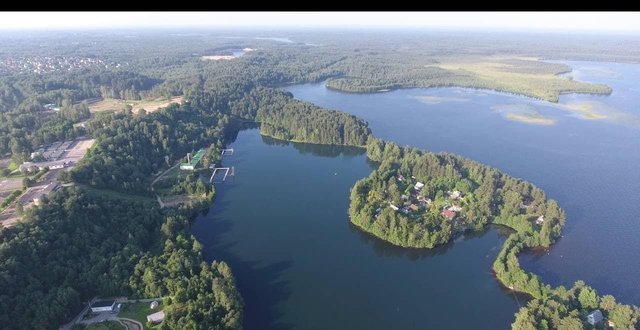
131, 324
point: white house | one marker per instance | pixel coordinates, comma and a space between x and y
540, 220
455, 208
456, 194
156, 317
419, 185
103, 306
393, 207
595, 317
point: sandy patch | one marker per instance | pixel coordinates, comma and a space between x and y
148, 105
524, 113
530, 119
431, 99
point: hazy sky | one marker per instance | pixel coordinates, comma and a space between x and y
584, 21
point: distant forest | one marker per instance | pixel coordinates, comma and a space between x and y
106, 235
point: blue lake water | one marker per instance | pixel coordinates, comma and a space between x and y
282, 223
589, 165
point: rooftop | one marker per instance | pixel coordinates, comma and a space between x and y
104, 303
195, 159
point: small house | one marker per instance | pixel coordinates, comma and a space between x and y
595, 317
154, 304
540, 220
393, 207
448, 214
156, 317
404, 197
103, 306
455, 194
400, 178
419, 185
413, 207
455, 208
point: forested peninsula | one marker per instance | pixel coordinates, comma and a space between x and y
104, 234
419, 199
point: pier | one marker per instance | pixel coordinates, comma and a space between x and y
228, 171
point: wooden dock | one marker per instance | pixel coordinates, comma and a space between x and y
227, 171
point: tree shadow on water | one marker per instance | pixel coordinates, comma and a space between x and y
385, 249
261, 284
263, 289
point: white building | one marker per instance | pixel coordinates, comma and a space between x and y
455, 208
595, 317
103, 306
540, 220
154, 304
419, 185
156, 317
456, 194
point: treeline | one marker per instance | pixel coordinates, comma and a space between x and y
73, 247
79, 245
387, 70
199, 295
130, 148
568, 309
24, 122
289, 119
489, 197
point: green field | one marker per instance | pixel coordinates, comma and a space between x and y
114, 194
526, 76
138, 311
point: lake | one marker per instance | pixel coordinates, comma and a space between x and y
589, 165
281, 222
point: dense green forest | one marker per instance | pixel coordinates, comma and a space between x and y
295, 120
459, 195
566, 309
489, 196
133, 233
129, 149
108, 236
149, 68
75, 246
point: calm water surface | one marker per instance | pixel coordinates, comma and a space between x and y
589, 166
282, 225
282, 222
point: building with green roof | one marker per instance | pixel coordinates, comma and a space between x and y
190, 166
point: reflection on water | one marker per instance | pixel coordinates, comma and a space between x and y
316, 149
586, 162
283, 227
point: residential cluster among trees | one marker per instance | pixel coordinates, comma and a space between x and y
568, 309
422, 199
107, 236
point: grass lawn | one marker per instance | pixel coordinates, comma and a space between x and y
138, 311
115, 194
110, 325
521, 76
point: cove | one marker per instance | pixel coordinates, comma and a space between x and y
282, 225
586, 162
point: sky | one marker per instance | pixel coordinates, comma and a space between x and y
534, 21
